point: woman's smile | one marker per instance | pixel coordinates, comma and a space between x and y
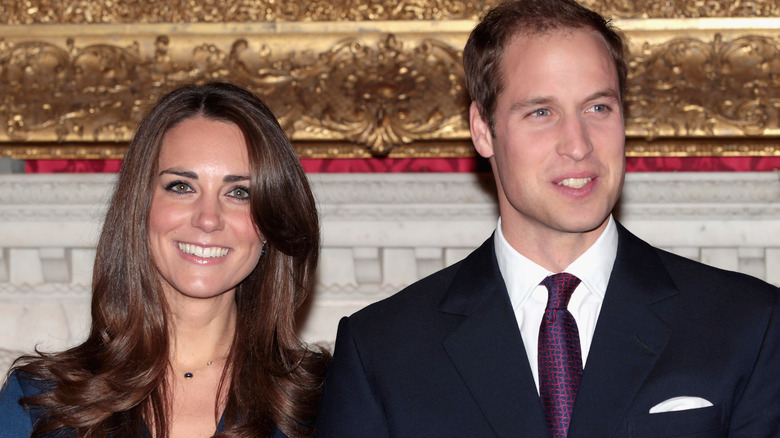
201, 233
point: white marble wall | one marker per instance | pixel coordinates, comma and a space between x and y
380, 233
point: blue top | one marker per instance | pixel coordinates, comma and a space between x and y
17, 422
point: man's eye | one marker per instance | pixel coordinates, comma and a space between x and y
541, 112
239, 193
600, 108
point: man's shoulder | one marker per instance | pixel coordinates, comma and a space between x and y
424, 296
692, 275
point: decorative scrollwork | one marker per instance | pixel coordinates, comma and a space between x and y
694, 87
684, 9
384, 95
97, 92
376, 95
360, 90
241, 11
246, 11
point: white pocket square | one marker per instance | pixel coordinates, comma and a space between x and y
680, 403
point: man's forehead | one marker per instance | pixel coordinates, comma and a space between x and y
525, 87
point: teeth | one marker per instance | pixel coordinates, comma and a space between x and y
575, 183
205, 253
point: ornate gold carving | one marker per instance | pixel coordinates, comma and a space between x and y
704, 147
249, 11
383, 95
358, 89
748, 147
376, 91
704, 87
684, 8
240, 11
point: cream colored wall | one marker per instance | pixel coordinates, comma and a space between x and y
380, 233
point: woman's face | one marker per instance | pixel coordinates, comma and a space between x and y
201, 234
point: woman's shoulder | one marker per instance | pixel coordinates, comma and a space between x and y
14, 418
29, 385
278, 434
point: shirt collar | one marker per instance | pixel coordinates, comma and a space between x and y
522, 276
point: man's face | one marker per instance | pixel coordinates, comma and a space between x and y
558, 151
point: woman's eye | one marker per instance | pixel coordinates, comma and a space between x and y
178, 187
239, 193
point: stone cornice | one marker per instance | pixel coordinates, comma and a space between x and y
419, 197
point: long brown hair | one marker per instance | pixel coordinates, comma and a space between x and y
117, 377
484, 49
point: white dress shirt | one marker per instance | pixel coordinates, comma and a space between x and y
529, 298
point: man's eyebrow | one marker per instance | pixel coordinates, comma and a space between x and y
531, 102
544, 100
609, 93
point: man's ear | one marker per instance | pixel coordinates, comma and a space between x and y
480, 132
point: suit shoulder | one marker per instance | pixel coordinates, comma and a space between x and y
420, 296
693, 275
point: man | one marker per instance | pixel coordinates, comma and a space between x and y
563, 323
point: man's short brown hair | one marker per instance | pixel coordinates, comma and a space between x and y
484, 49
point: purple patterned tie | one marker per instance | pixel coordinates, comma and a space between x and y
560, 359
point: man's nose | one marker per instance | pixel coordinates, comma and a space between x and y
575, 142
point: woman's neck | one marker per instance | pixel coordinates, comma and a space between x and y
201, 331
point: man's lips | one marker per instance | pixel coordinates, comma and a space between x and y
574, 183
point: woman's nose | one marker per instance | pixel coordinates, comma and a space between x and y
207, 214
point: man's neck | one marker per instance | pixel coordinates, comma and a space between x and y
551, 249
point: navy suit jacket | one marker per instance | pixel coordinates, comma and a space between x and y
445, 358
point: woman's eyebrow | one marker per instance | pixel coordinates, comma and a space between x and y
182, 173
192, 175
235, 178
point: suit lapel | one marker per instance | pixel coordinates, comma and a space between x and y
633, 328
487, 350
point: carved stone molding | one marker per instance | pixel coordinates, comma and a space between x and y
728, 190
350, 87
47, 291
426, 197
59, 190
380, 233
7, 357
702, 196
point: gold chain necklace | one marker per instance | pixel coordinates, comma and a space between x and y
188, 375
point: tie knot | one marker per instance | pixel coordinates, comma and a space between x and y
560, 287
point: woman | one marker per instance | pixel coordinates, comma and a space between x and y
209, 246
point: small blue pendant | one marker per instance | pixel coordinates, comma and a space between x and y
187, 375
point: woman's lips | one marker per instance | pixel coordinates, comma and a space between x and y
211, 252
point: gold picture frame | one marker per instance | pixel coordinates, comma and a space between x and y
349, 80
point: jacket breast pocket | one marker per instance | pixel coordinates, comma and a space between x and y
692, 423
